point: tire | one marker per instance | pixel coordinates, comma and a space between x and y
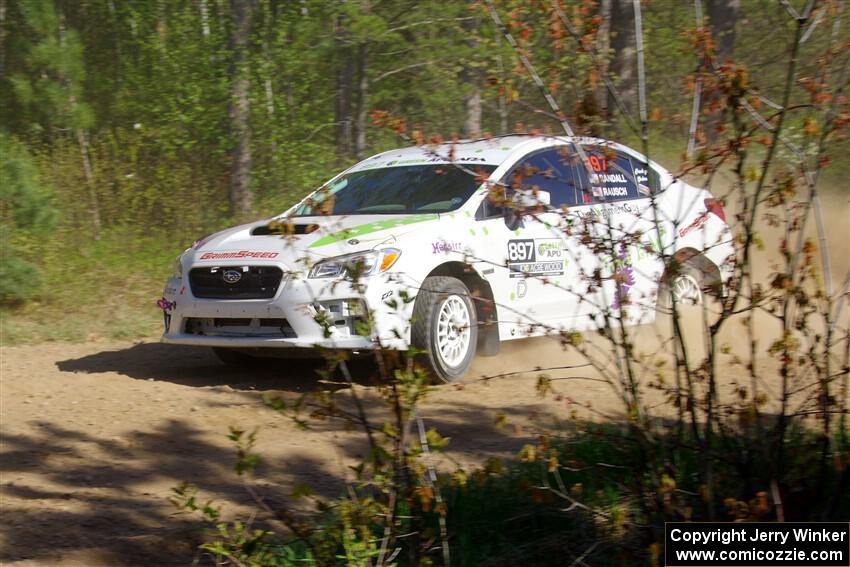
687, 286
446, 326
234, 357
692, 285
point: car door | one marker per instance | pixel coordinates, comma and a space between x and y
538, 278
621, 185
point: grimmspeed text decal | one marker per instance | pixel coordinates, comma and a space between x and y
237, 254
527, 257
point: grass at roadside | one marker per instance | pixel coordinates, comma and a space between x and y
103, 289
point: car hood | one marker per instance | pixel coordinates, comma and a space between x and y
308, 239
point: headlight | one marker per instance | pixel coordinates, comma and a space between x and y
359, 264
178, 267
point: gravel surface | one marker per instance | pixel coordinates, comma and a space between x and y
94, 436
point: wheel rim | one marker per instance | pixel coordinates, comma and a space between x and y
686, 290
453, 332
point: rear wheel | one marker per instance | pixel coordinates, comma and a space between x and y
446, 326
688, 285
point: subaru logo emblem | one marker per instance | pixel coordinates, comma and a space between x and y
231, 276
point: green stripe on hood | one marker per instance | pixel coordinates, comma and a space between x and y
370, 227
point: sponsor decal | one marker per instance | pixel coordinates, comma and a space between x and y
611, 178
371, 227
550, 249
423, 160
521, 288
537, 269
237, 254
615, 191
607, 210
524, 259
624, 277
444, 247
698, 222
642, 181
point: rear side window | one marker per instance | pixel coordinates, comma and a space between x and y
553, 171
618, 176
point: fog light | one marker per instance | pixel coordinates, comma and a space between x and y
342, 315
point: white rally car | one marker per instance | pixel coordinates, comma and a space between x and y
452, 249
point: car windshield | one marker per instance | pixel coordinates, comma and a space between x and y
432, 188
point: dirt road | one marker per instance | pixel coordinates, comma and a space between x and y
96, 435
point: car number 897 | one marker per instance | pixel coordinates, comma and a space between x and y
521, 250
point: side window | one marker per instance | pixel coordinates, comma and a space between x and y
551, 170
648, 183
618, 176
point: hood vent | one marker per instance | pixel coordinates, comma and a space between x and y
283, 228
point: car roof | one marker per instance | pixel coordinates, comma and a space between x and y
486, 151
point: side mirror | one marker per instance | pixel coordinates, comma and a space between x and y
525, 200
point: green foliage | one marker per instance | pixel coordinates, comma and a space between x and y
20, 281
49, 83
551, 503
27, 215
26, 201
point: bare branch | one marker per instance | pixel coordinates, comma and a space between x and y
383, 76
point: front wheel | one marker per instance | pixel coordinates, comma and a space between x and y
446, 326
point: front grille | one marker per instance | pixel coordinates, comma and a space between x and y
255, 282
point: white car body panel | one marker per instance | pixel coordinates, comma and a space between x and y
526, 306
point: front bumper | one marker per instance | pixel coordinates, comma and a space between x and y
304, 313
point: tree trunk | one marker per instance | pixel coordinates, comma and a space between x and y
722, 15
502, 102
80, 134
623, 46
472, 123
603, 44
240, 110
2, 38
362, 102
472, 77
342, 105
205, 18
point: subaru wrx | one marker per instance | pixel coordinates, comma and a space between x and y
453, 249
